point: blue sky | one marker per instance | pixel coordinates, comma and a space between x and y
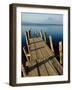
41, 18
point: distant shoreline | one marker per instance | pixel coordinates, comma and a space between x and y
35, 24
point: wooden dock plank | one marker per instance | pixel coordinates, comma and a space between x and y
49, 51
33, 56
34, 71
42, 69
50, 69
57, 65
55, 62
38, 53
43, 51
31, 47
37, 39
31, 40
34, 40
53, 66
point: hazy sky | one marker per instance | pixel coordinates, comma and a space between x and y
41, 18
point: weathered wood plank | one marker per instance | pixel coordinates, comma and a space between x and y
33, 56
42, 69
57, 65
50, 69
38, 53
53, 66
55, 62
41, 44
34, 71
37, 39
46, 55
49, 51
31, 40
31, 47
48, 66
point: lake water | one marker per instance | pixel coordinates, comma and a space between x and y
56, 31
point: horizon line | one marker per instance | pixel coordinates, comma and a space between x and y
40, 24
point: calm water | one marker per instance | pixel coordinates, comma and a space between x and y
56, 31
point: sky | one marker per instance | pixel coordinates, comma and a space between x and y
41, 18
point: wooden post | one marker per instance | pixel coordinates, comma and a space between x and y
30, 33
45, 37
26, 35
51, 43
40, 34
27, 40
60, 51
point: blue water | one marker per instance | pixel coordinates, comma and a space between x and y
56, 31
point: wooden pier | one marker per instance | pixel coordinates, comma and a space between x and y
41, 60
